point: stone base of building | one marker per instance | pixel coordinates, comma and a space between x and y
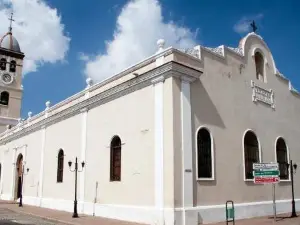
216, 213
150, 215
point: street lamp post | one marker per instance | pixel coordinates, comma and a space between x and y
21, 194
75, 214
293, 168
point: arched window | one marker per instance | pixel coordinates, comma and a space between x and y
4, 98
12, 67
115, 159
204, 154
3, 64
282, 158
60, 166
259, 65
251, 153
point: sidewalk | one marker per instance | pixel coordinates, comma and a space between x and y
66, 218
61, 216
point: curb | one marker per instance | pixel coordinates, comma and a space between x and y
43, 217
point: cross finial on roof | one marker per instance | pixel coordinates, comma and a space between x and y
11, 20
253, 25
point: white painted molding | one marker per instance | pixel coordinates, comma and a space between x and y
13, 176
187, 153
212, 153
243, 147
159, 144
262, 95
167, 70
158, 80
188, 79
41, 175
83, 156
1, 172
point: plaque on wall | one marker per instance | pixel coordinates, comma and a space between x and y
262, 95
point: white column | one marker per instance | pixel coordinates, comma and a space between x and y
43, 146
1, 173
159, 146
41, 175
189, 217
24, 153
84, 111
13, 172
83, 153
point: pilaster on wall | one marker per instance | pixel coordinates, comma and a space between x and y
188, 217
41, 175
159, 146
83, 150
13, 173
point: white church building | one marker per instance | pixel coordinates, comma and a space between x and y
166, 141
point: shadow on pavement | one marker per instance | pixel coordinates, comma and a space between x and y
280, 218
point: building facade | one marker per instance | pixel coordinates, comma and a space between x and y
167, 141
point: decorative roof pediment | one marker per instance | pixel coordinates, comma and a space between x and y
241, 51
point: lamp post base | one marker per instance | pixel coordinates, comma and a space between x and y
75, 214
21, 202
293, 209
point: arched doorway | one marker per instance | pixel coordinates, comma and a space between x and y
18, 180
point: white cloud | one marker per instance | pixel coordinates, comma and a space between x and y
38, 29
243, 25
83, 57
139, 26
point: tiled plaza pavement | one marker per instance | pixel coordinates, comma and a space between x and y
36, 215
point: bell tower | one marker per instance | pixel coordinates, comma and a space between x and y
11, 91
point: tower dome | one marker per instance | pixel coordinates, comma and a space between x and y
8, 41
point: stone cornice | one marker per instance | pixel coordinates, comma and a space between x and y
127, 71
18, 55
166, 70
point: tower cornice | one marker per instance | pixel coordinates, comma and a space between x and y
18, 55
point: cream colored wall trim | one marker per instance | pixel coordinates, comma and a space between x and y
159, 144
83, 154
187, 153
13, 168
41, 175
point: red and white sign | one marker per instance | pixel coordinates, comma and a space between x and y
266, 180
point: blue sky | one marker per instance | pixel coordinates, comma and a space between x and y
89, 24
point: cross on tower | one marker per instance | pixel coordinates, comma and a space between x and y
253, 25
11, 20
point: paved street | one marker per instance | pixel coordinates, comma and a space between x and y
9, 217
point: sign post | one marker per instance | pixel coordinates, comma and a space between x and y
267, 173
274, 203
